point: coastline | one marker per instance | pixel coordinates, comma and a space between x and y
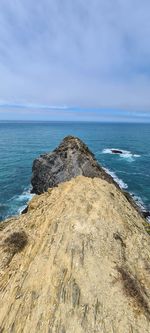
105, 173
101, 172
135, 173
73, 259
140, 208
130, 196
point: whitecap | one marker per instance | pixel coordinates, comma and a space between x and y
25, 197
148, 219
123, 153
139, 201
124, 186
140, 204
119, 181
21, 209
22, 200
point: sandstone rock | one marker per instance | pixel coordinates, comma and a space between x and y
85, 267
72, 158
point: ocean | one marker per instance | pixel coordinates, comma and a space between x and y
22, 142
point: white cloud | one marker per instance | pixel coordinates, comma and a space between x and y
89, 53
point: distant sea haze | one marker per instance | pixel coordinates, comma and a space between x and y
21, 143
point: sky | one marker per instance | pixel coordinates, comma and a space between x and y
75, 60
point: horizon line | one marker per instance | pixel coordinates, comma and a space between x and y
13, 105
74, 121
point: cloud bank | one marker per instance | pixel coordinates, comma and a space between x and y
93, 53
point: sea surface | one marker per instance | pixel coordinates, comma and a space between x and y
21, 143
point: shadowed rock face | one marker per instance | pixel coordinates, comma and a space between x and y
72, 158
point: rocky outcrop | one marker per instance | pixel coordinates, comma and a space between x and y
116, 151
72, 158
77, 262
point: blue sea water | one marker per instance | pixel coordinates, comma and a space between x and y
21, 143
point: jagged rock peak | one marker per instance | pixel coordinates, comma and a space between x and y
72, 158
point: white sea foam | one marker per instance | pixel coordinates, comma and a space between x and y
21, 209
123, 153
119, 181
25, 197
141, 204
124, 186
22, 199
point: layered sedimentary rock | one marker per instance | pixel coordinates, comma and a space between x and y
72, 158
77, 262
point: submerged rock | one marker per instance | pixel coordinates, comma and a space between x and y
72, 158
116, 151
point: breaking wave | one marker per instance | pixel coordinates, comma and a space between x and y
119, 181
19, 202
122, 153
124, 186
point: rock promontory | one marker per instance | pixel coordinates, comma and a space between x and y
78, 260
71, 159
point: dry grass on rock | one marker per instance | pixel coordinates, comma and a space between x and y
15, 242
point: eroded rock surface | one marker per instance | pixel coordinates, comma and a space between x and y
72, 158
77, 262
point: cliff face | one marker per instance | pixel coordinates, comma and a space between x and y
78, 261
72, 158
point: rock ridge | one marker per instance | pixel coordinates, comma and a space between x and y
77, 262
71, 159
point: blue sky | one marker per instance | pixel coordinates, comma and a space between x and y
75, 60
